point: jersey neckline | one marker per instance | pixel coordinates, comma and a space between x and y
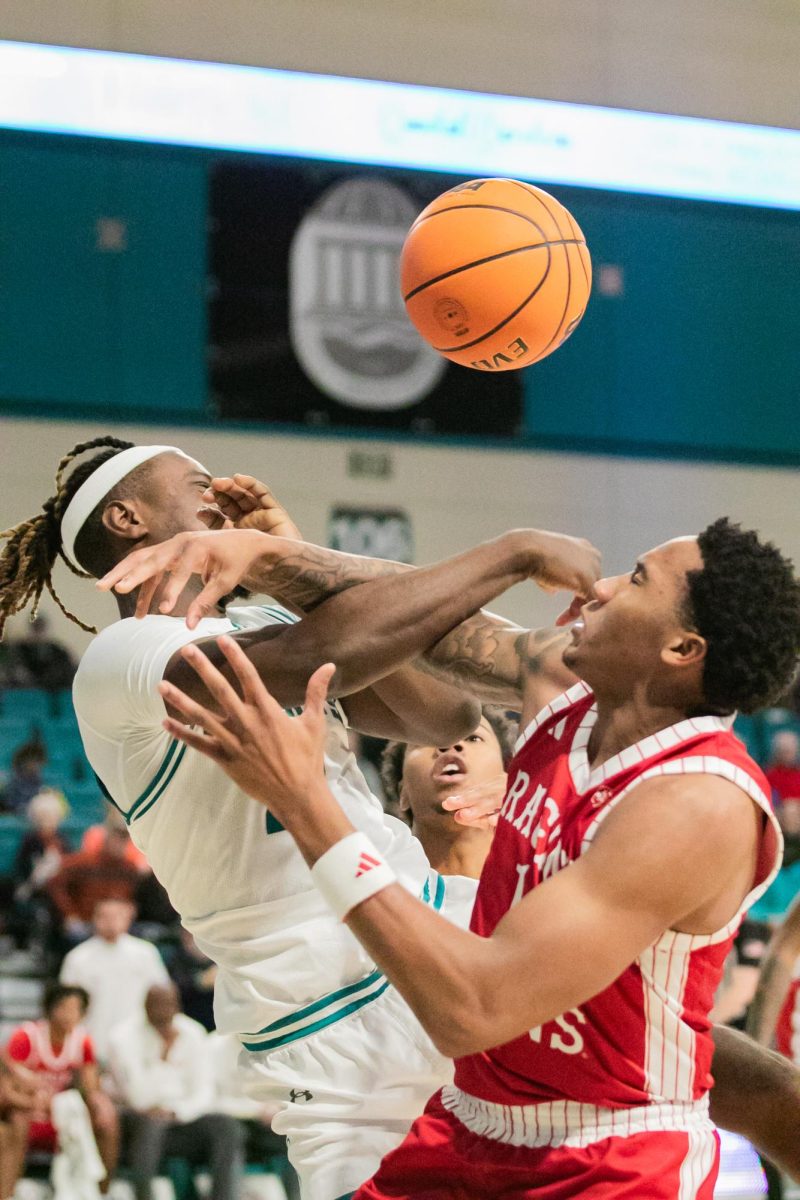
587, 779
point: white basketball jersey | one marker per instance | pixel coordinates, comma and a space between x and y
236, 878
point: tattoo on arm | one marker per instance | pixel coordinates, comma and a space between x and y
493, 656
314, 574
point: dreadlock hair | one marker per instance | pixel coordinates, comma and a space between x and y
394, 753
32, 546
745, 602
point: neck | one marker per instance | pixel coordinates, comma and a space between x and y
127, 603
620, 725
455, 849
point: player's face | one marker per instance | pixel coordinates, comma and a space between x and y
176, 504
431, 773
626, 629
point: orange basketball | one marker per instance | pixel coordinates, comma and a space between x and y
495, 274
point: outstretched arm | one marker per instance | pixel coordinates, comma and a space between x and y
756, 1094
496, 659
695, 843
776, 975
373, 629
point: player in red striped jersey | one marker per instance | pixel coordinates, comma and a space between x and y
634, 832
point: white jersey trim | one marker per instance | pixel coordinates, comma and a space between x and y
577, 692
570, 1122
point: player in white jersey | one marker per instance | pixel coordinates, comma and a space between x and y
322, 1028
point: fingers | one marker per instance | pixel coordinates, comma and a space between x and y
145, 595
573, 612
217, 684
137, 567
317, 689
253, 688
197, 714
219, 583
198, 741
180, 574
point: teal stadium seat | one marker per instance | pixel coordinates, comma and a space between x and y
11, 834
751, 731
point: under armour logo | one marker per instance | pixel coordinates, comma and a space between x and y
300, 1095
366, 863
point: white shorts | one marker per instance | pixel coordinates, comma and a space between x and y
347, 1093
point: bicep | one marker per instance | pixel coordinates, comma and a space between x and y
412, 706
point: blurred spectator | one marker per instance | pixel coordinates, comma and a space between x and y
117, 971
47, 663
19, 1096
85, 878
12, 671
788, 814
783, 771
25, 779
95, 836
59, 1051
194, 975
162, 1067
740, 978
261, 1144
39, 857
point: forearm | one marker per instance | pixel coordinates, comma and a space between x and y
371, 630
312, 574
756, 1094
773, 984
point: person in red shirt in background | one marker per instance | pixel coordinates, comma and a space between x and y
783, 772
58, 1050
95, 836
86, 878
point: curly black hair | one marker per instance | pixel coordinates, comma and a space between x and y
394, 753
55, 992
745, 602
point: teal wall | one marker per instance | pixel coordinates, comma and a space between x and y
82, 328
700, 356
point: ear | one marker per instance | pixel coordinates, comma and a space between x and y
125, 519
685, 649
403, 803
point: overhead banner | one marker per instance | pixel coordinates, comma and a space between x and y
306, 320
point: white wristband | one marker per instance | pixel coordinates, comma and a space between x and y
350, 872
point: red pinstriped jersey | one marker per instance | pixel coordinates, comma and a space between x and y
646, 1038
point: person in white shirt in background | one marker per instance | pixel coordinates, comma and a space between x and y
261, 1144
163, 1070
115, 968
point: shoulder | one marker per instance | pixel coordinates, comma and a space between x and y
18, 1045
679, 825
256, 616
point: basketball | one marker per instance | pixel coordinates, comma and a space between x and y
495, 274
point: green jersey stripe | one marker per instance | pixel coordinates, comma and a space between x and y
274, 1043
162, 789
154, 782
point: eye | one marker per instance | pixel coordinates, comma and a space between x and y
475, 737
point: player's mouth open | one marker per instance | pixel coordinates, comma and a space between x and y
449, 768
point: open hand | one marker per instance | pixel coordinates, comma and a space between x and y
480, 805
222, 558
277, 759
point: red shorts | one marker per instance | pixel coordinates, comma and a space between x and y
441, 1159
42, 1136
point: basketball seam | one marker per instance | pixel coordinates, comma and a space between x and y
479, 262
510, 317
573, 227
544, 352
532, 191
492, 207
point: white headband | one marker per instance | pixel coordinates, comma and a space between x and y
99, 484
